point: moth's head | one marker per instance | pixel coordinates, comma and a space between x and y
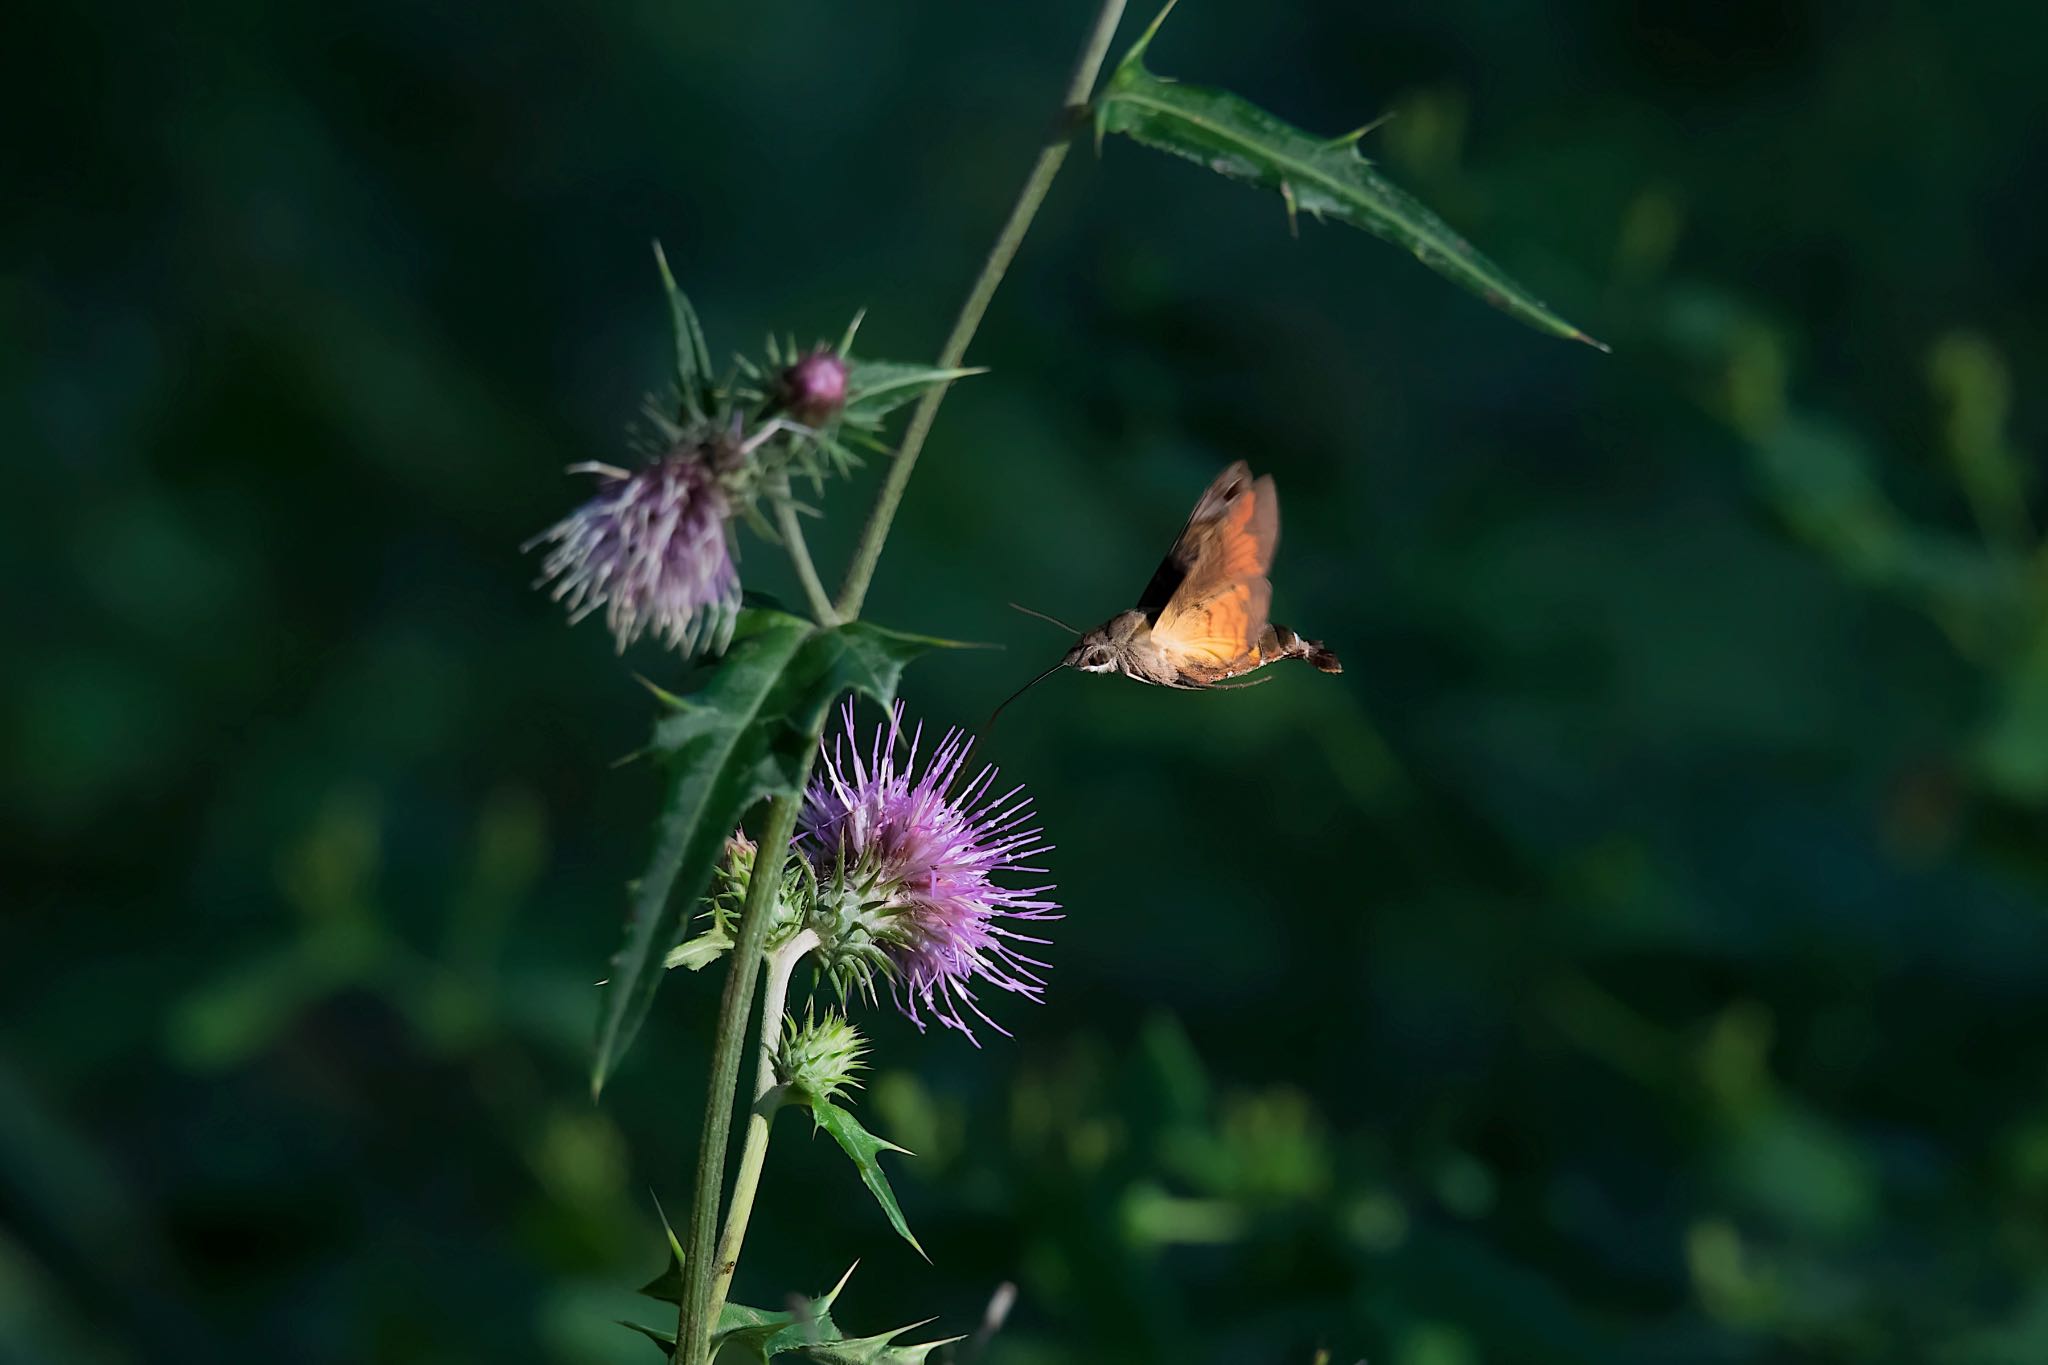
1092, 653
1102, 649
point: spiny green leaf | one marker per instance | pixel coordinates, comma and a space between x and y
1325, 177
875, 1350
764, 1335
740, 738
870, 659
756, 1333
701, 951
876, 388
693, 357
864, 1147
804, 1332
668, 1285
760, 1335
726, 748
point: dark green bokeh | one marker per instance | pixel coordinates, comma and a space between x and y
1638, 954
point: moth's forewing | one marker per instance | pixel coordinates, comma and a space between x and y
1216, 615
1188, 546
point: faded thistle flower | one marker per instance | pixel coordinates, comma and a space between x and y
913, 867
821, 1057
652, 547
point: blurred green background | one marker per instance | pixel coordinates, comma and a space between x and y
1637, 955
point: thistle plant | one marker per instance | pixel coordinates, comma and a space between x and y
883, 863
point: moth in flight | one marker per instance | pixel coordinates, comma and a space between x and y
1202, 619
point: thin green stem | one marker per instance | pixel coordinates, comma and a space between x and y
693, 1326
767, 1100
791, 526
1089, 65
695, 1316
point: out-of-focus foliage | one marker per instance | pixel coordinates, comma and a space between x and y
1638, 954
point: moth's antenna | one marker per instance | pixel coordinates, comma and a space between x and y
1018, 606
1020, 692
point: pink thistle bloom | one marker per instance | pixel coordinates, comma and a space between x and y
932, 847
652, 549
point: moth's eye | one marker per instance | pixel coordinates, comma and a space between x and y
1099, 659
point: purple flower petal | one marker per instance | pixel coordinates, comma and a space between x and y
939, 844
651, 548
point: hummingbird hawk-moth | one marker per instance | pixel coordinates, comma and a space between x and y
1202, 619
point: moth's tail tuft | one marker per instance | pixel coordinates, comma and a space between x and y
1287, 645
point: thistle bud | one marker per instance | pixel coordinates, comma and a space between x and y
814, 389
735, 869
795, 896
820, 1056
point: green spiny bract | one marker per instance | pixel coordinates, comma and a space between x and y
821, 1057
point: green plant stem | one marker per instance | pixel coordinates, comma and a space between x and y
693, 1326
767, 1100
694, 1320
853, 593
791, 527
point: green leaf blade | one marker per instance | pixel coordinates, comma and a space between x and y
864, 1147
1326, 178
664, 1341
875, 1350
876, 388
719, 753
806, 1331
693, 356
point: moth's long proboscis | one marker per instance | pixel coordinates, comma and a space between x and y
1018, 693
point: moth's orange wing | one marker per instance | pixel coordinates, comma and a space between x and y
1232, 533
1220, 630
1217, 611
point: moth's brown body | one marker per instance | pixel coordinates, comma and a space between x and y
1202, 618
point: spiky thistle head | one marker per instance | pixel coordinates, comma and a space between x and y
823, 1056
917, 868
653, 548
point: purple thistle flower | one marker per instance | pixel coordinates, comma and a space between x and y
651, 548
933, 846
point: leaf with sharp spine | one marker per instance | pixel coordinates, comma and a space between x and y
875, 1350
864, 1147
805, 1332
1324, 177
876, 388
668, 1285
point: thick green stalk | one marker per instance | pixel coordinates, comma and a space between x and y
774, 997
1089, 65
693, 1325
